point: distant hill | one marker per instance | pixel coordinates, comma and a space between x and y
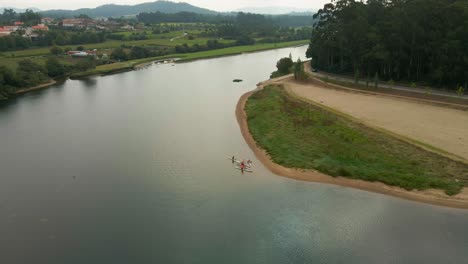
113, 10
273, 10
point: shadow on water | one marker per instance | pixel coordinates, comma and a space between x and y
89, 82
32, 95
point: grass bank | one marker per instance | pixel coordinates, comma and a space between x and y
297, 134
239, 50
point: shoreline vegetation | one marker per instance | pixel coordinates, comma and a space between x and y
277, 126
187, 57
131, 65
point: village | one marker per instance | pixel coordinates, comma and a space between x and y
70, 24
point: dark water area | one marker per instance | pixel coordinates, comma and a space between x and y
133, 168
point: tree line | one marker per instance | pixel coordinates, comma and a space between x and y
241, 17
420, 41
29, 17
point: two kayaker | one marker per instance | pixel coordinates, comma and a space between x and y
242, 167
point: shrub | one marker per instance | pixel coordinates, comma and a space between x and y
284, 65
56, 50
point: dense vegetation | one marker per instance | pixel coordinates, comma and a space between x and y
238, 22
297, 134
30, 73
421, 41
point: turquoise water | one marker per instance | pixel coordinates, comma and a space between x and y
133, 168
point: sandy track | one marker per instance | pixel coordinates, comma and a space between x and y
442, 127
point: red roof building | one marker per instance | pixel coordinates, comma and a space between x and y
40, 27
46, 20
19, 23
10, 28
4, 32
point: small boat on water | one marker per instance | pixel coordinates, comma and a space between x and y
247, 169
237, 164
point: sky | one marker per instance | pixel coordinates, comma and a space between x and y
218, 5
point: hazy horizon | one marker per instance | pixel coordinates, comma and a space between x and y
209, 4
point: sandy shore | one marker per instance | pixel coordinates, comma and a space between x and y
435, 197
41, 86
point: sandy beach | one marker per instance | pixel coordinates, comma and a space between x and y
431, 196
38, 87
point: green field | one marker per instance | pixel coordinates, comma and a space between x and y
298, 134
154, 40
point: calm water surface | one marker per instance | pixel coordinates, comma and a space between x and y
132, 168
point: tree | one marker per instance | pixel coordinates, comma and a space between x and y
139, 52
85, 64
245, 40
54, 67
80, 48
83, 16
8, 16
7, 82
119, 54
30, 73
298, 69
412, 41
30, 18
55, 50
284, 65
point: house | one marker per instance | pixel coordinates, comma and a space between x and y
88, 53
4, 32
30, 33
40, 27
46, 20
72, 22
19, 23
11, 28
78, 23
128, 27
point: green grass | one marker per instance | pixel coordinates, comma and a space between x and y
298, 134
239, 50
12, 63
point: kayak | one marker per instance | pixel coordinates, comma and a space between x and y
247, 169
238, 162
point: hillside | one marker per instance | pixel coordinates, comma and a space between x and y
113, 10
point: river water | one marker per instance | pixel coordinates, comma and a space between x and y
133, 168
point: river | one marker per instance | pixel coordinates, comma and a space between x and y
133, 168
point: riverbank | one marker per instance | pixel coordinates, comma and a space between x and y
431, 196
185, 57
131, 65
37, 87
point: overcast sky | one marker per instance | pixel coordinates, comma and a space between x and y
218, 5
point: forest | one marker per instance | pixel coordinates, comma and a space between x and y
417, 41
241, 17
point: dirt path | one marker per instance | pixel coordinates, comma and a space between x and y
441, 127
435, 197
